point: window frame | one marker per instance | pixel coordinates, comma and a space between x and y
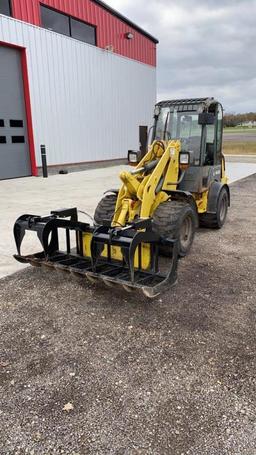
42, 5
219, 133
10, 8
85, 23
69, 16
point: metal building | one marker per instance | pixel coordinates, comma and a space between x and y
76, 76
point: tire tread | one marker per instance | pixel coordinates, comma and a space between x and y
105, 209
166, 220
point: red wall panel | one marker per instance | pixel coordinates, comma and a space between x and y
110, 29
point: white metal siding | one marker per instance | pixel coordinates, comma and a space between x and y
87, 103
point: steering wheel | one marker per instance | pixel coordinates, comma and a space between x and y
156, 152
168, 135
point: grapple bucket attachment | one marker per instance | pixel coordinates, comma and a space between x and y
127, 256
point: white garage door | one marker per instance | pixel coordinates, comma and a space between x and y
14, 148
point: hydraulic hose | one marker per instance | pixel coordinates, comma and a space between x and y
148, 167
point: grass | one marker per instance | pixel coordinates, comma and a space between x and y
239, 130
239, 148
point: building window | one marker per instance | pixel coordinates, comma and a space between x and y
5, 7
61, 23
55, 21
83, 32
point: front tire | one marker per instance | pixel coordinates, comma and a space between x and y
105, 209
217, 220
176, 220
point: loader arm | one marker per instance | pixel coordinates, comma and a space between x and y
168, 170
143, 188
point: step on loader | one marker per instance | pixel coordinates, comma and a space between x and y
178, 184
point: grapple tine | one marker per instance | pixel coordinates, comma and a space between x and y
92, 279
96, 246
149, 293
171, 277
109, 284
128, 288
19, 230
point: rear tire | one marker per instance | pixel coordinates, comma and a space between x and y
175, 220
217, 220
105, 209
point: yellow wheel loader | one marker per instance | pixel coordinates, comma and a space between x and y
179, 184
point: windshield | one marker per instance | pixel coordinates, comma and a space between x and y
180, 125
177, 125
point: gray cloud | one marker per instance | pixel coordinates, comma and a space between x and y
207, 47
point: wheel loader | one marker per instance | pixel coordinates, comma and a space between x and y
141, 230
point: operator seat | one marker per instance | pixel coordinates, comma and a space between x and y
193, 143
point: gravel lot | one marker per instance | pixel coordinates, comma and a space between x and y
88, 370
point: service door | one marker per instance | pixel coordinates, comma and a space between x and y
14, 147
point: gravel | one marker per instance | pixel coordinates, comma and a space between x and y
93, 370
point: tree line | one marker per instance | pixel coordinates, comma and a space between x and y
237, 119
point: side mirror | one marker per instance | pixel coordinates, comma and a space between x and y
206, 118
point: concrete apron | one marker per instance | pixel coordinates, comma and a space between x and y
240, 158
38, 196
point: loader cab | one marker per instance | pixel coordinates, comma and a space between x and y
198, 124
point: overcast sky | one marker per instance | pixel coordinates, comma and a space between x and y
207, 47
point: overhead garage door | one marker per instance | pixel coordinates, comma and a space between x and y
14, 148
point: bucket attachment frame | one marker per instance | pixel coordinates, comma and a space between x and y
96, 267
